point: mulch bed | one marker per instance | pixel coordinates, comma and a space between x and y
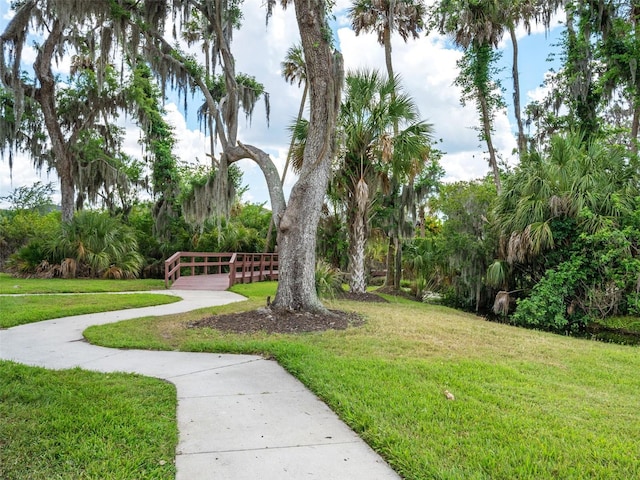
285, 321
280, 321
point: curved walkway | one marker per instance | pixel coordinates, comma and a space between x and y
239, 416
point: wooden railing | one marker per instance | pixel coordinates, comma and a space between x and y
253, 267
241, 267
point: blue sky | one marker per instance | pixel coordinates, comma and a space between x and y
426, 66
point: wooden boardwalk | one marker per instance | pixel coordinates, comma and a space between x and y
216, 282
218, 271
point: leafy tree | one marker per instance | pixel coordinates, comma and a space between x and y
18, 228
465, 246
36, 197
619, 51
66, 28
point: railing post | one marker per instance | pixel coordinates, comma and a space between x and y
232, 270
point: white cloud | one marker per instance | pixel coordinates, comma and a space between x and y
428, 70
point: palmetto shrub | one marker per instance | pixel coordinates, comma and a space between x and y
328, 279
100, 246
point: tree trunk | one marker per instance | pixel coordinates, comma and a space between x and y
298, 224
634, 128
45, 96
387, 51
390, 262
522, 145
486, 125
357, 243
398, 263
303, 101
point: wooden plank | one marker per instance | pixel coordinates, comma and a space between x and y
216, 282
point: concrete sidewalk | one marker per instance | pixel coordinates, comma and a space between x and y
239, 416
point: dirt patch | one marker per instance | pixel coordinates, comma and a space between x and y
285, 321
280, 321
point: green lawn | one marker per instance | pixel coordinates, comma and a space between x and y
18, 309
528, 405
9, 284
74, 424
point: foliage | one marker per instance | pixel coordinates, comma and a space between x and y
100, 246
333, 242
569, 234
478, 80
159, 141
547, 306
328, 280
250, 91
36, 197
22, 227
466, 244
423, 263
197, 191
598, 80
244, 231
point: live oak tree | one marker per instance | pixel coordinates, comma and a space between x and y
297, 223
66, 29
296, 220
142, 25
66, 121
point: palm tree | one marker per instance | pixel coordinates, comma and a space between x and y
477, 27
98, 244
372, 106
580, 185
383, 17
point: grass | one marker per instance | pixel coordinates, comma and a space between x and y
528, 404
74, 424
9, 285
630, 324
18, 310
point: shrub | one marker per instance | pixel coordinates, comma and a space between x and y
328, 279
549, 307
100, 244
18, 228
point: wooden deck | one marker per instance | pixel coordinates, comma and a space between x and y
218, 271
216, 282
